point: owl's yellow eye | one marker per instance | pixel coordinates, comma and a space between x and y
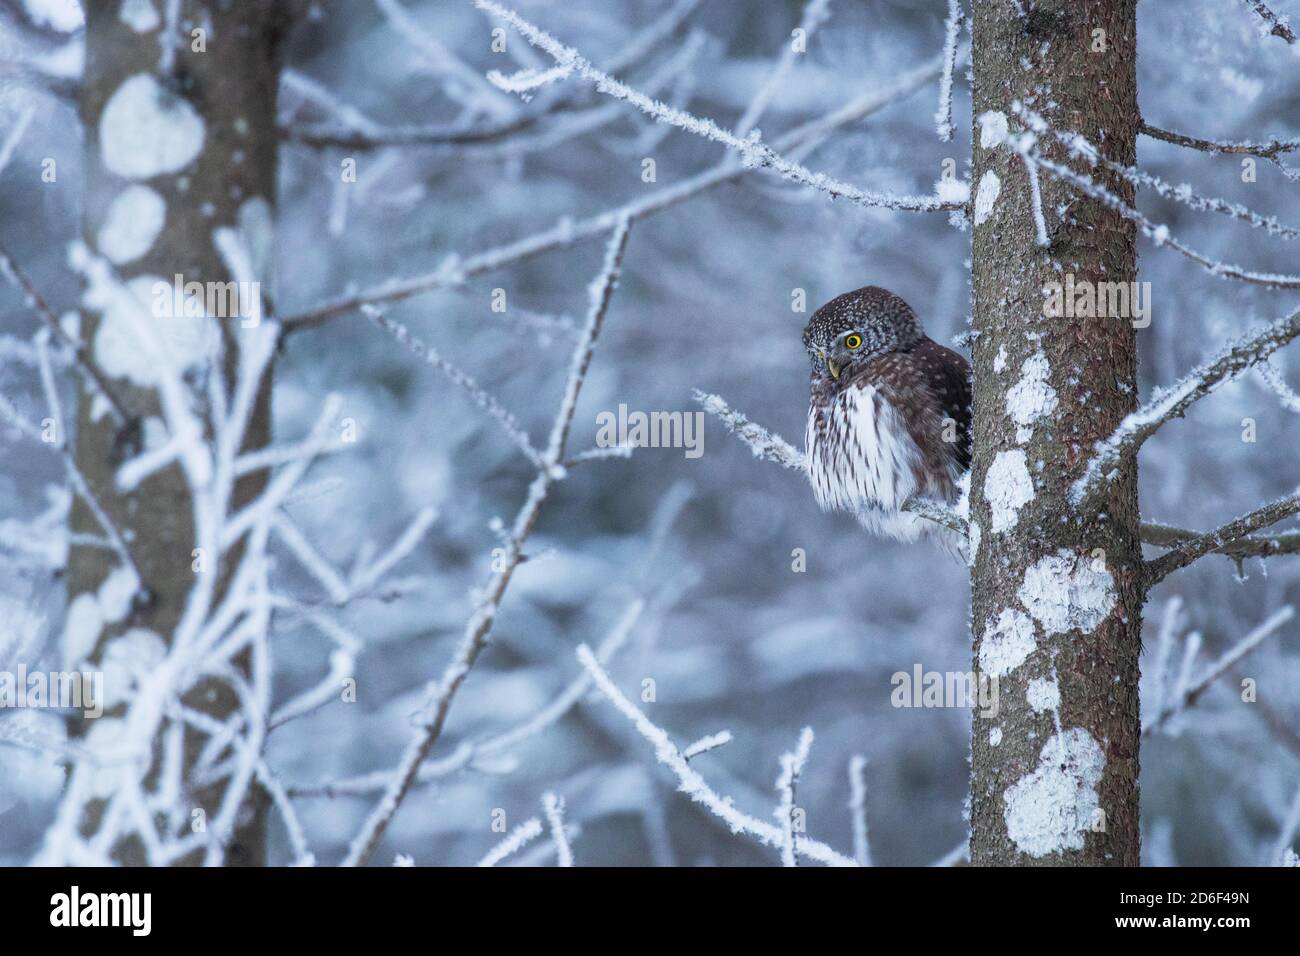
853, 342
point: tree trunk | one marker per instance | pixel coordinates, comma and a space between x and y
180, 126
1057, 600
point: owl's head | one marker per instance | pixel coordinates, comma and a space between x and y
857, 326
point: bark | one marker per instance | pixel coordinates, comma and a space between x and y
232, 87
1054, 783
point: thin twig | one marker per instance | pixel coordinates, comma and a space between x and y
1277, 27
1239, 529
37, 302
690, 781
367, 135
1248, 546
455, 271
751, 148
554, 808
1269, 150
1192, 690
440, 693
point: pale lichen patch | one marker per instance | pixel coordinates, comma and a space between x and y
1043, 694
993, 129
1007, 643
1031, 398
986, 195
147, 131
1049, 810
1068, 592
1007, 488
131, 226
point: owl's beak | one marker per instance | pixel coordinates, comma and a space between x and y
834, 367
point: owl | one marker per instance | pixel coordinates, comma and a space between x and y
889, 416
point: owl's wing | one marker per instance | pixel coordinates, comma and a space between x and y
927, 386
949, 378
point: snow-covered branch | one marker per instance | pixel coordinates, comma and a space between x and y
1186, 691
1238, 549
1222, 538
1277, 26
466, 84
60, 446
815, 13
38, 304
554, 809
1160, 234
765, 445
455, 271
134, 775
1173, 402
1080, 146
519, 837
792, 764
858, 807
1268, 150
691, 783
951, 32
440, 693
753, 152
358, 132
470, 753
705, 744
479, 395
1272, 377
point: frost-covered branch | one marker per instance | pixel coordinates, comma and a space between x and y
472, 752
60, 446
792, 764
765, 445
753, 152
951, 31
1272, 377
1222, 538
554, 808
468, 84
36, 302
479, 395
135, 774
1186, 691
1160, 234
440, 693
367, 135
1269, 150
689, 780
1079, 146
520, 837
858, 807
1173, 402
1247, 546
815, 13
455, 271
705, 744
1277, 26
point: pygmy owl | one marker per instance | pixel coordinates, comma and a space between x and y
889, 416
